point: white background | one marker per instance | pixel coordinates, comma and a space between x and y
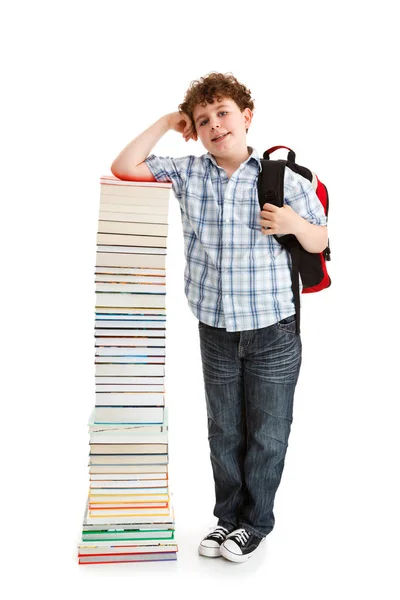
80, 80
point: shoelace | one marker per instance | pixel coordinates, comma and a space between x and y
240, 535
219, 534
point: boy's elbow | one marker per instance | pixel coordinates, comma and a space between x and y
120, 173
116, 171
139, 173
317, 242
325, 238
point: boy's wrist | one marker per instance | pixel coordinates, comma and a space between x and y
168, 120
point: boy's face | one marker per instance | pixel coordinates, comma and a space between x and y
221, 126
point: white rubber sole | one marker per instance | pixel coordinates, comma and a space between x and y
209, 552
239, 558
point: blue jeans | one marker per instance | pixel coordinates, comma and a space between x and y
249, 381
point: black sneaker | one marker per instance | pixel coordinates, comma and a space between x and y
210, 545
240, 545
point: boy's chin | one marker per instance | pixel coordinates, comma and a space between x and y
222, 151
215, 149
219, 149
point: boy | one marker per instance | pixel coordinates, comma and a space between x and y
238, 285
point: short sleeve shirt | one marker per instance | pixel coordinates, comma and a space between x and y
236, 277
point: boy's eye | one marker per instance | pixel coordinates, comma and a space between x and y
222, 112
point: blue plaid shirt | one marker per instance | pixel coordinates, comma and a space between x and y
235, 276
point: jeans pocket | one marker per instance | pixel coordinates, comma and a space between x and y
288, 324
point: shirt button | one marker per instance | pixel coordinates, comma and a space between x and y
226, 220
226, 295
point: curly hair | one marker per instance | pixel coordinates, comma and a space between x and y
215, 86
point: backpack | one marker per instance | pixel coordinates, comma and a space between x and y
311, 267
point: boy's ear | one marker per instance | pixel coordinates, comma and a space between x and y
248, 117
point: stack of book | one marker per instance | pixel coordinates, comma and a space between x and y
129, 516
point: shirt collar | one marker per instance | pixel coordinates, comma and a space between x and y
252, 156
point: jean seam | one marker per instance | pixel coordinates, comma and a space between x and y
285, 330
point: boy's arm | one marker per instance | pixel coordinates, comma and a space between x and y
301, 215
130, 164
313, 238
283, 220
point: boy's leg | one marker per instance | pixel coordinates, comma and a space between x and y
223, 385
272, 359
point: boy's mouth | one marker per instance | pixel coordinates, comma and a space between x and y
220, 137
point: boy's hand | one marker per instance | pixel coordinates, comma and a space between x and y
279, 220
182, 123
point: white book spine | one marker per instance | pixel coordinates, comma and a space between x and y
136, 288
133, 300
129, 381
107, 259
156, 333
130, 399
128, 415
130, 342
132, 360
143, 351
110, 214
129, 370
